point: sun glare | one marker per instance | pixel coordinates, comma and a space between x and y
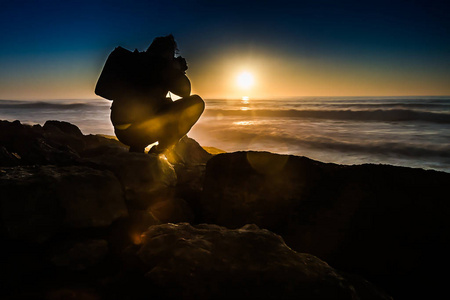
245, 80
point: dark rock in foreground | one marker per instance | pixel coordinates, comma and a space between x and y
41, 201
389, 224
73, 208
212, 262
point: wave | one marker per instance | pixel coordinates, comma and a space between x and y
372, 106
321, 142
6, 104
389, 115
381, 148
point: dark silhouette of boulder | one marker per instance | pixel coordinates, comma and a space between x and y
388, 224
57, 143
64, 127
39, 201
80, 255
210, 262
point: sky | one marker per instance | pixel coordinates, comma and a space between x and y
56, 49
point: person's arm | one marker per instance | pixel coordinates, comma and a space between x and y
180, 85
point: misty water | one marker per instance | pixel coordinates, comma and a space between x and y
403, 131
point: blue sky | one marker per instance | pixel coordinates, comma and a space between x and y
56, 49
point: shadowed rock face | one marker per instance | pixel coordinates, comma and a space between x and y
212, 262
40, 201
387, 223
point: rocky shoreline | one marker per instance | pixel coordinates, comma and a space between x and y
82, 218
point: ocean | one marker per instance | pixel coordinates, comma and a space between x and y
401, 131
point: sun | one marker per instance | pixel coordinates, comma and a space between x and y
245, 80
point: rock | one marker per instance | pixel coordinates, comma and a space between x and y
189, 161
140, 221
8, 159
81, 255
98, 145
33, 145
171, 210
143, 177
39, 201
40, 152
64, 127
58, 143
73, 293
58, 134
62, 188
374, 220
256, 187
212, 262
188, 152
128, 231
19, 139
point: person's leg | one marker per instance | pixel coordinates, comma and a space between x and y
135, 137
167, 126
178, 118
125, 115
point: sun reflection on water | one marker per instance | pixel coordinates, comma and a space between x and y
244, 123
245, 101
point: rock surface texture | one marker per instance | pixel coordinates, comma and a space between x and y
245, 263
82, 218
386, 223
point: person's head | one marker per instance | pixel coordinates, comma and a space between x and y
164, 46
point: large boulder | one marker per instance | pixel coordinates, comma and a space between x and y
181, 261
39, 201
375, 220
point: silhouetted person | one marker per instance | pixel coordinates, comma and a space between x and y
138, 83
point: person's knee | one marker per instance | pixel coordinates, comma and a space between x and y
198, 102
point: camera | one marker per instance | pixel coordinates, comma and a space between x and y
182, 63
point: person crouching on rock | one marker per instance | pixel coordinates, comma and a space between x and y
138, 83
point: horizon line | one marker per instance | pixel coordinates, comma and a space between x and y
231, 98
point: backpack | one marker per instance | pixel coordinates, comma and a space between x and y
118, 77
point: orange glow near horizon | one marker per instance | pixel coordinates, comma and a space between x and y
283, 76
234, 74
